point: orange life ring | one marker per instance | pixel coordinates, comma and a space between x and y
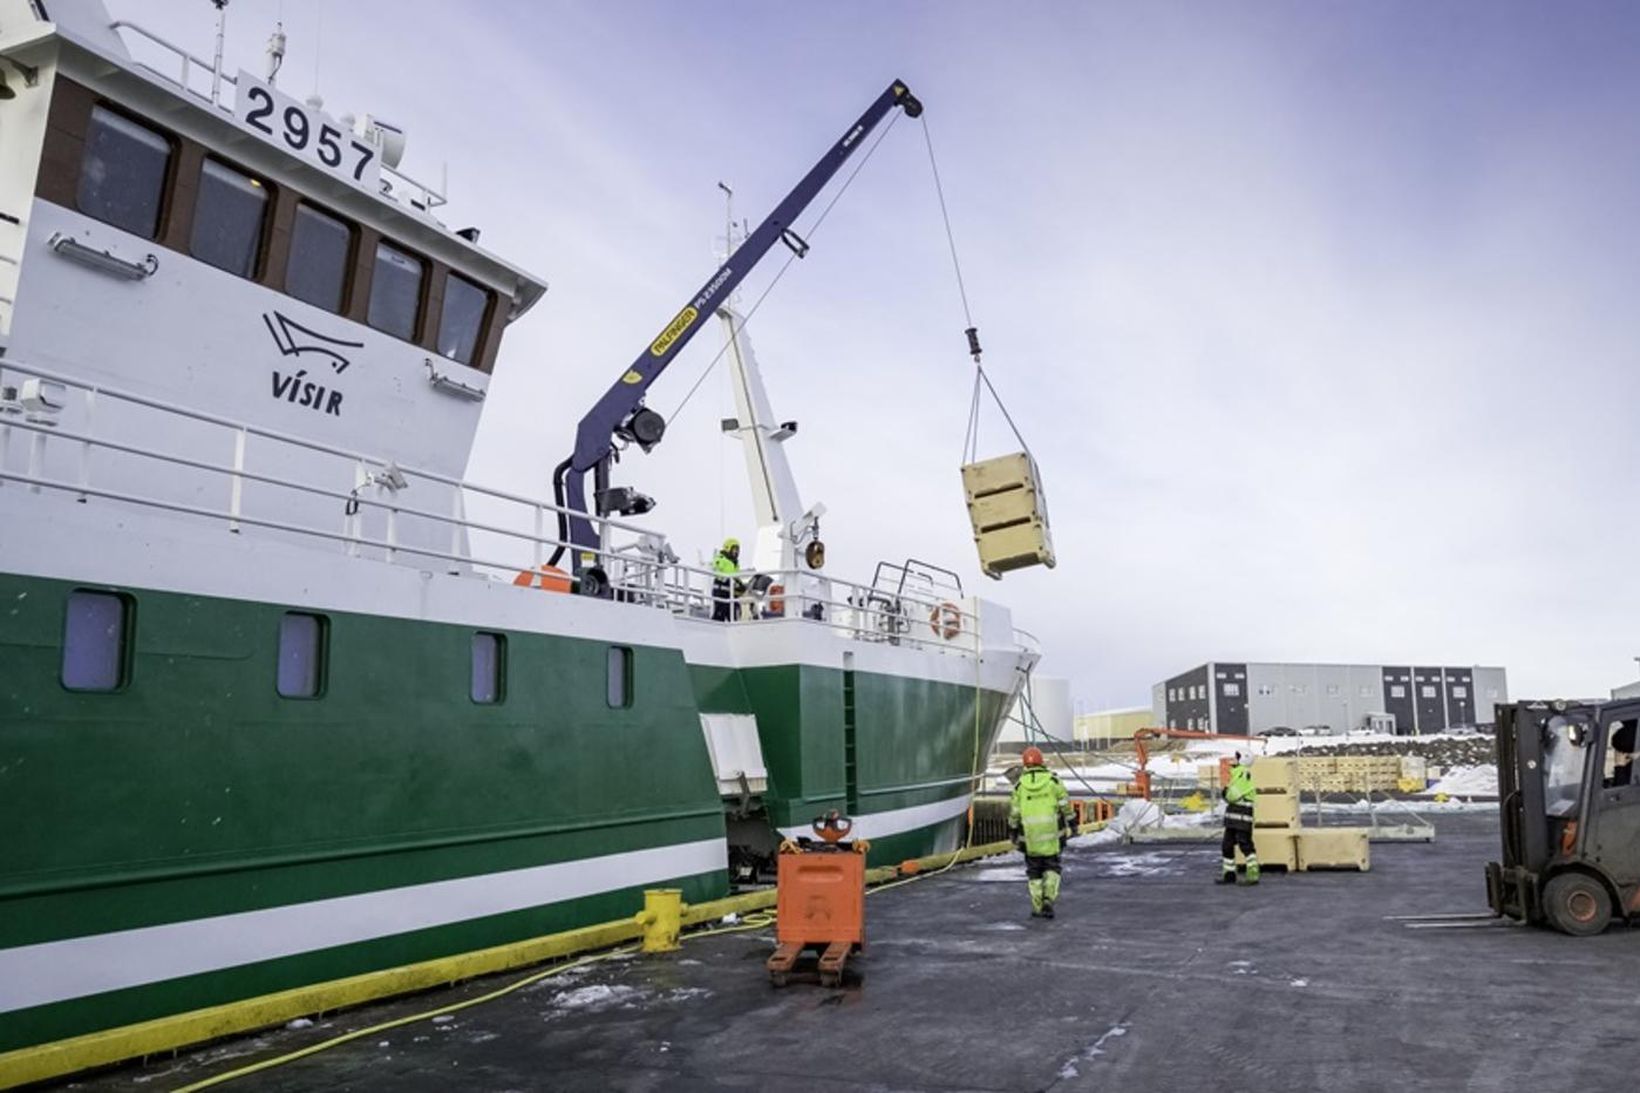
946, 620
777, 599
549, 578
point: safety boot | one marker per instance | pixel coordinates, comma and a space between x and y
1047, 908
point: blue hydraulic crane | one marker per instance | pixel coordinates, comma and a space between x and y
620, 416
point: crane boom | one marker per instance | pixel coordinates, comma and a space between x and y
621, 414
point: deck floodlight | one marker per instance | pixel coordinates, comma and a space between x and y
30, 74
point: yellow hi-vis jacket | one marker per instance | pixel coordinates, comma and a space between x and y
1039, 808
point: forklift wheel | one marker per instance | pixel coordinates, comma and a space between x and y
1577, 904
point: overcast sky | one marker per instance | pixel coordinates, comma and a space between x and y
1319, 318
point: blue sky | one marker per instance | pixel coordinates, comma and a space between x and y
1313, 314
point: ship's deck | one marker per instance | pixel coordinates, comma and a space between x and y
1150, 978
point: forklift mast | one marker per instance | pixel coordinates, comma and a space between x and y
620, 417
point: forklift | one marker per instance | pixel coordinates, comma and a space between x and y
1570, 811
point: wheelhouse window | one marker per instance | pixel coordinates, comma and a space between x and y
96, 635
489, 668
395, 292
123, 172
228, 219
462, 320
320, 246
301, 655
619, 687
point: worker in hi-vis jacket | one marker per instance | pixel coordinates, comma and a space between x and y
725, 588
1238, 822
1039, 821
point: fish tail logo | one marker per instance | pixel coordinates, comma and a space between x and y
674, 330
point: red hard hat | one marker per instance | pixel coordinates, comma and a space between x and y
1032, 756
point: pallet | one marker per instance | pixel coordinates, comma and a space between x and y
829, 963
1333, 848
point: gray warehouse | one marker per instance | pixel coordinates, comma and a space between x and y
1245, 699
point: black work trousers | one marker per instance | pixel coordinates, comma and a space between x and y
1236, 838
1036, 865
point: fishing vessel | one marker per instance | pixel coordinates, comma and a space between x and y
275, 708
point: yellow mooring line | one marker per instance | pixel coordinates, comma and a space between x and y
116, 1045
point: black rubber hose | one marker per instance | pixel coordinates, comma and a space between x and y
558, 499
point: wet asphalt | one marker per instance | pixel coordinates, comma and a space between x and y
1150, 978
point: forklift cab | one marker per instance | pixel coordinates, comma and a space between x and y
1570, 812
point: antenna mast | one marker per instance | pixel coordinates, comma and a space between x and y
216, 64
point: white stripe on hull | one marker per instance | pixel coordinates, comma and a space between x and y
880, 825
55, 971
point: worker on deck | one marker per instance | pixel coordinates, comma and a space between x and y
725, 589
1039, 822
1238, 822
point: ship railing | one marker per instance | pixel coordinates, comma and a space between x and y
643, 570
893, 578
188, 66
1027, 641
34, 413
947, 625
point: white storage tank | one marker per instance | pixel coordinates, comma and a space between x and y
1050, 701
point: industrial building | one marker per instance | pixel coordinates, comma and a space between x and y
1243, 698
1106, 726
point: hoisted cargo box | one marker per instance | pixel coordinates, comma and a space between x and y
1009, 513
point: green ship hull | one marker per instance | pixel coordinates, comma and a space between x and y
192, 838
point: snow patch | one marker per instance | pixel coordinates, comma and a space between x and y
1480, 780
300, 1022
596, 997
1299, 983
1140, 865
1091, 1052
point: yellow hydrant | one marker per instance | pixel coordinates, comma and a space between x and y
661, 919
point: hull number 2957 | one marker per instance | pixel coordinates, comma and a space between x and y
311, 134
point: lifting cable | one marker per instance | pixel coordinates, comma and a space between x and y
1037, 733
790, 258
970, 450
